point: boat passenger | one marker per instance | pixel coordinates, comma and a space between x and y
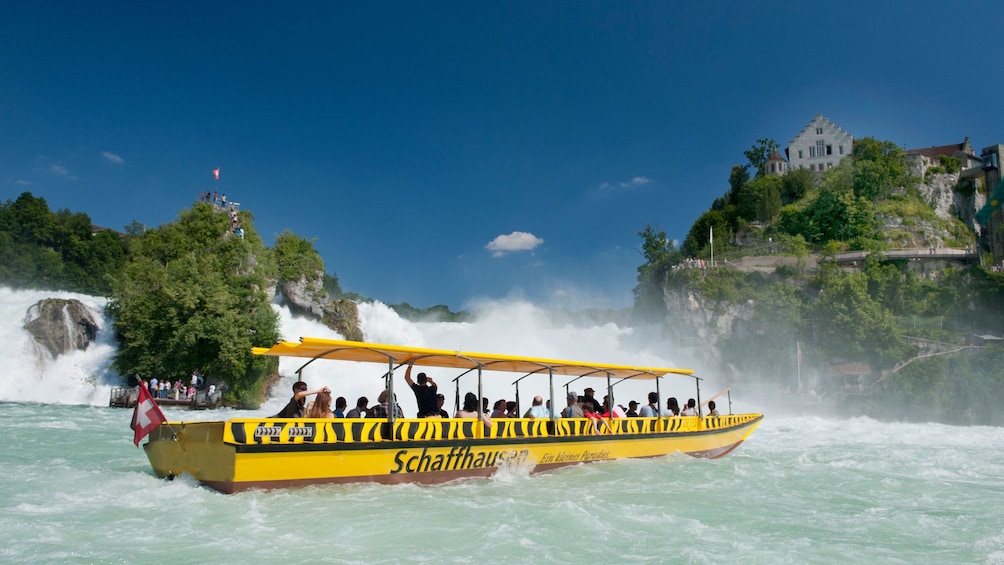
573, 410
618, 410
632, 409
425, 394
673, 406
440, 400
588, 413
712, 409
362, 406
321, 406
651, 410
587, 396
470, 409
537, 410
499, 411
382, 410
297, 404
691, 409
510, 409
340, 405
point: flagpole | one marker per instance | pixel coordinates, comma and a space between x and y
798, 364
712, 239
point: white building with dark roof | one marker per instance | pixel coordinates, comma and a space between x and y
819, 146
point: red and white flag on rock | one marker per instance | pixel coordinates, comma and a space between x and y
146, 416
216, 174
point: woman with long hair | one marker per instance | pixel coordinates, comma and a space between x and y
321, 406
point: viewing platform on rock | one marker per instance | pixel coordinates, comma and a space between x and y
852, 259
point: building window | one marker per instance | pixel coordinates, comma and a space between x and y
820, 147
841, 149
819, 131
812, 152
829, 150
829, 165
800, 154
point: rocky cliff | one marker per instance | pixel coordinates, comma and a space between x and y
306, 297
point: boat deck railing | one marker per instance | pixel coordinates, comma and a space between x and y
245, 431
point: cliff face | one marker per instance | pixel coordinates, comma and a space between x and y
59, 325
699, 324
306, 297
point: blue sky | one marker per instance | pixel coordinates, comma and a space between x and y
450, 151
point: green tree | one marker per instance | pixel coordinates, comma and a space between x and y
192, 297
760, 199
759, 153
796, 184
660, 257
879, 166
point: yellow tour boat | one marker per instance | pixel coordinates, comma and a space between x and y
267, 453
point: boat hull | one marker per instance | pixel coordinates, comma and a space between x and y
244, 454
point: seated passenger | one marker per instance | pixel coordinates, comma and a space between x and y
691, 409
651, 410
382, 410
712, 410
440, 400
499, 411
296, 405
537, 410
510, 409
340, 405
321, 406
362, 407
632, 409
470, 409
573, 410
587, 412
673, 406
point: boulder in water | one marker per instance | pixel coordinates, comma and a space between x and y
61, 325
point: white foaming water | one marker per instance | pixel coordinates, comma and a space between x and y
29, 374
514, 328
800, 490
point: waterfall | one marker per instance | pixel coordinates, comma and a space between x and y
504, 327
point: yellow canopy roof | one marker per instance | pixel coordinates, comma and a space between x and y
342, 350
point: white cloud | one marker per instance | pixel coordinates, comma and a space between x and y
61, 171
634, 182
516, 241
23, 182
112, 157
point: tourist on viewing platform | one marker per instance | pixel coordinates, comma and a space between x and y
425, 394
573, 410
362, 406
320, 407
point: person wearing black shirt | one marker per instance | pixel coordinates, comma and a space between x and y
425, 394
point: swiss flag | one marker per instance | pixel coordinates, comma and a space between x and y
146, 416
216, 174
